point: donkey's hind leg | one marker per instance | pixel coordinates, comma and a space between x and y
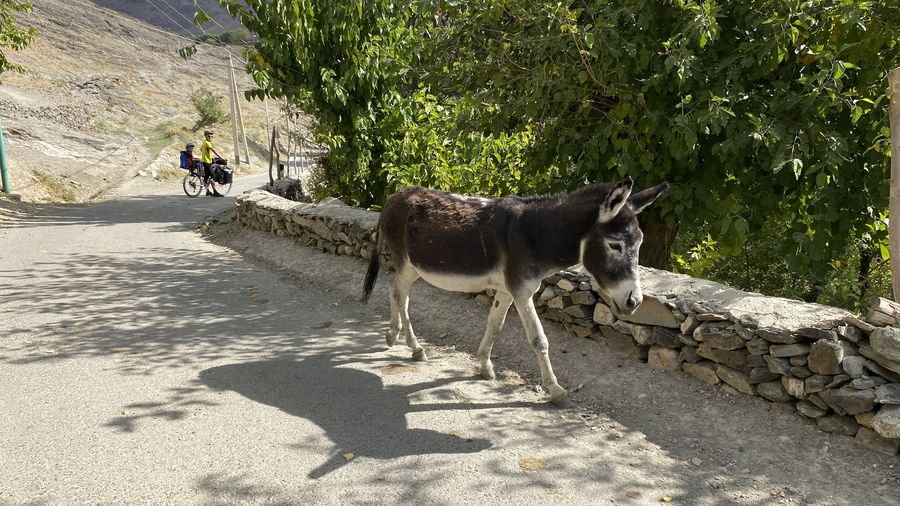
499, 309
402, 284
393, 333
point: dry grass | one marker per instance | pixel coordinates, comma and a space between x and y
56, 190
167, 174
167, 133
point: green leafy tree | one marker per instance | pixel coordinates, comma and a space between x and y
11, 35
342, 62
209, 108
753, 110
768, 117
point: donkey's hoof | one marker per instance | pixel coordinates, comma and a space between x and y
487, 372
391, 339
419, 355
559, 397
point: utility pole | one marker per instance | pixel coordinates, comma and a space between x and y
3, 169
240, 115
233, 96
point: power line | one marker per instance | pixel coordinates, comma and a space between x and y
167, 16
225, 47
179, 13
201, 26
192, 21
211, 19
110, 12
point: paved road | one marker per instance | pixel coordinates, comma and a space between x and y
140, 363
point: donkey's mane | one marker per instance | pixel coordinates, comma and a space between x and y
591, 194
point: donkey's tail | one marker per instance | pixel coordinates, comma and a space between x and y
374, 267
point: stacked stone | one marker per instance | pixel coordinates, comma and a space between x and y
329, 226
567, 297
845, 376
291, 189
835, 369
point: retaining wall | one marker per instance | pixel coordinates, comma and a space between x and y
840, 371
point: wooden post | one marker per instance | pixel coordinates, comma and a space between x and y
233, 95
894, 200
290, 144
273, 153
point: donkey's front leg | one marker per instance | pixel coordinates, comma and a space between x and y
499, 308
538, 340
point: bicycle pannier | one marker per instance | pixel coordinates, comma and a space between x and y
224, 175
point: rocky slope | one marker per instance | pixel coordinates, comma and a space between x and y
104, 95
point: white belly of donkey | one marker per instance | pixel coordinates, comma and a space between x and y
463, 283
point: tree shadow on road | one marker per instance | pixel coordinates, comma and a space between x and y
353, 407
165, 308
172, 212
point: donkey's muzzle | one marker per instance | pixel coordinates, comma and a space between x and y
632, 302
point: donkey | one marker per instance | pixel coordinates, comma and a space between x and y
508, 244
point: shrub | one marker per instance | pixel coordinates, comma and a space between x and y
209, 106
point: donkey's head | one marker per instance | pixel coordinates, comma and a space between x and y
610, 249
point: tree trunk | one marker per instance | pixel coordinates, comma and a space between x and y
658, 240
865, 266
894, 200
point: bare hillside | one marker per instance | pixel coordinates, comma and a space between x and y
103, 97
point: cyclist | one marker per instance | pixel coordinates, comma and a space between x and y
206, 158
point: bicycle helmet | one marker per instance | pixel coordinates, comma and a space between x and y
189, 145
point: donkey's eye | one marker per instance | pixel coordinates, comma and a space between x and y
616, 246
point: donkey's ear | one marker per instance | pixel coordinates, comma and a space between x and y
615, 199
639, 201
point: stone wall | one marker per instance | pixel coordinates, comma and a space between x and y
835, 369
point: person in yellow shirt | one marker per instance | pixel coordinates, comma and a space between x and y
206, 158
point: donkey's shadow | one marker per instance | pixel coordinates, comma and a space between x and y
353, 408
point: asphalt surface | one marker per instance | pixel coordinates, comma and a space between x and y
141, 363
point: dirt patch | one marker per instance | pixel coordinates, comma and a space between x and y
532, 464
393, 369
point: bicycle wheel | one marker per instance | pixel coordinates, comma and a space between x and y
192, 184
223, 188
